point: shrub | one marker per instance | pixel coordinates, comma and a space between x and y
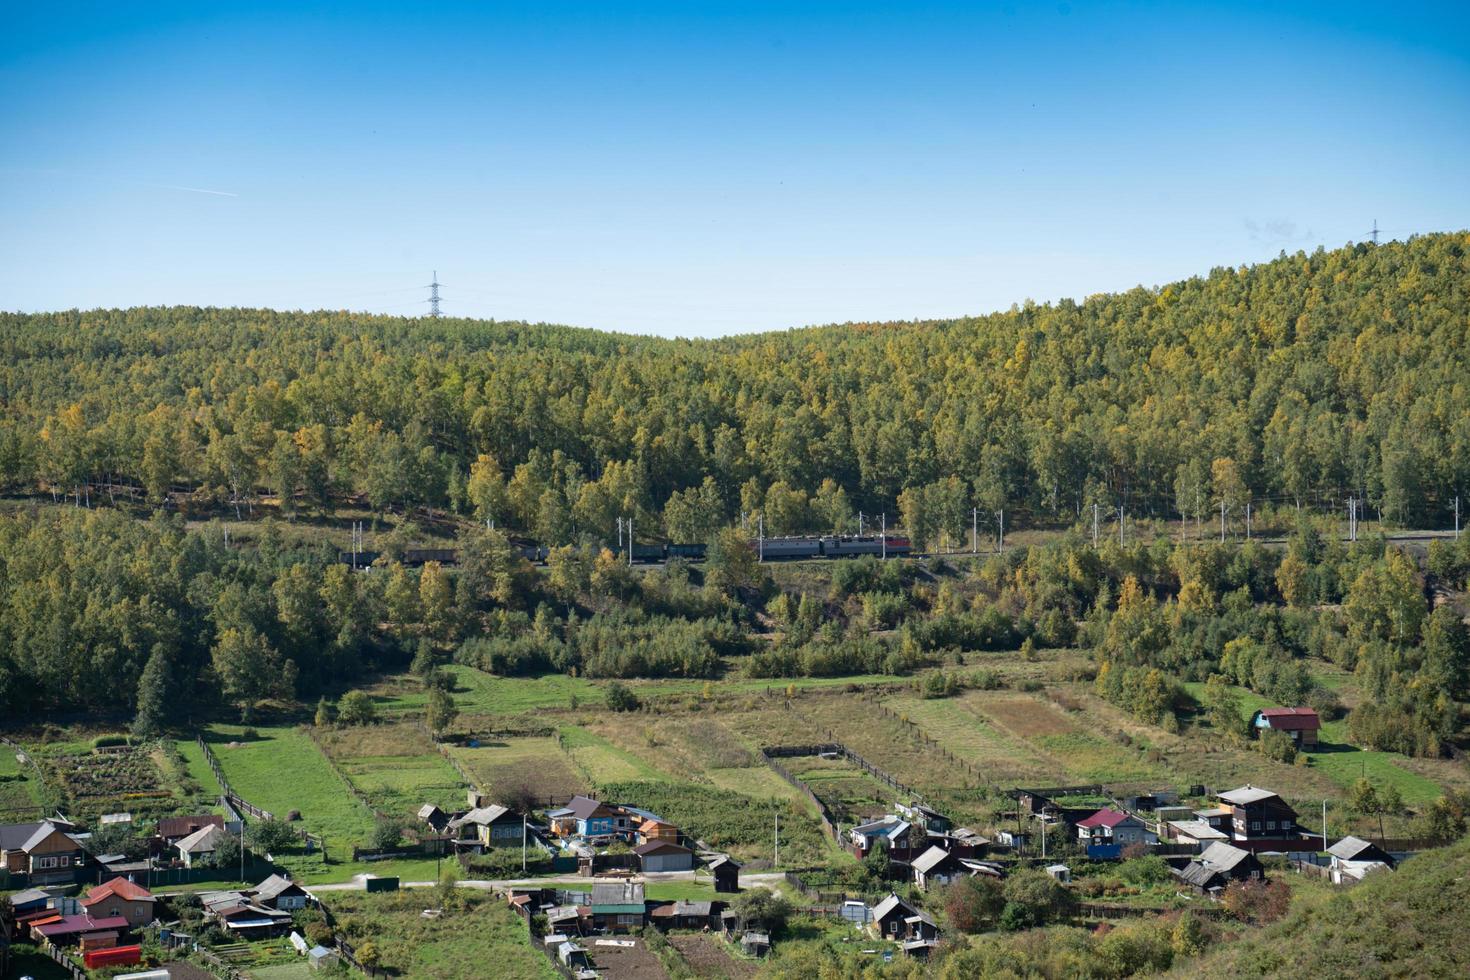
357, 708
620, 698
109, 741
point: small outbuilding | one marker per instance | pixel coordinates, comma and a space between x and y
662, 855
1302, 724
322, 958
726, 872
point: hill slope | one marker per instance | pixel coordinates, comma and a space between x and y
1407, 924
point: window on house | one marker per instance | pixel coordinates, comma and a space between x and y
1270, 824
1255, 825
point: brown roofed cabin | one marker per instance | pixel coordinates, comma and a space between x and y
1258, 814
1302, 724
173, 829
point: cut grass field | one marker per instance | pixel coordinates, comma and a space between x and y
283, 770
600, 761
482, 938
395, 766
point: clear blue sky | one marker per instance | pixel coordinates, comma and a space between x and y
702, 169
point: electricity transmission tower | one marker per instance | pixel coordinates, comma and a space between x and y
433, 288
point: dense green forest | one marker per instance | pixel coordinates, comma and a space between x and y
1298, 381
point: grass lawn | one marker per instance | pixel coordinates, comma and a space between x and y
483, 938
285, 971
283, 770
958, 724
20, 789
1382, 769
699, 890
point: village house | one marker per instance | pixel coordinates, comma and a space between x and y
280, 893
726, 872
591, 819
1108, 831
1302, 724
437, 819
1260, 817
662, 855
686, 915
617, 906
902, 838
1197, 833
926, 817
1218, 866
120, 897
651, 830
490, 826
1353, 859
237, 913
47, 852
199, 845
174, 829
936, 866
898, 921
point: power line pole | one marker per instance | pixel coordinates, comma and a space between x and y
630, 542
883, 534
777, 862
434, 297
1247, 520
1120, 525
1094, 526
1222, 522
1457, 518
974, 530
760, 537
1000, 543
620, 534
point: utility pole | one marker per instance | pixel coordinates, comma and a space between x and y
1247, 520
760, 537
883, 533
523, 843
630, 542
1120, 525
1457, 518
777, 862
620, 534
974, 530
1094, 526
860, 523
1000, 543
1324, 825
1222, 522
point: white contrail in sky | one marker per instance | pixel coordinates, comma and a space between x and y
121, 180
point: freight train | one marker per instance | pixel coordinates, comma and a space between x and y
769, 549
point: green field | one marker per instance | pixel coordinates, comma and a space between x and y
395, 766
600, 761
283, 770
20, 789
508, 765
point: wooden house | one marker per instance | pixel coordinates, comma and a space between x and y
936, 866
617, 906
1301, 724
173, 829
1259, 815
46, 852
1353, 859
490, 826
651, 830
199, 845
280, 893
1218, 866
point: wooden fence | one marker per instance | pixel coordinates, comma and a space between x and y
234, 801
30, 760
837, 748
65, 962
829, 822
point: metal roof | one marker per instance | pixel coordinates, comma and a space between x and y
1247, 794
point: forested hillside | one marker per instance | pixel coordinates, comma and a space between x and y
1297, 381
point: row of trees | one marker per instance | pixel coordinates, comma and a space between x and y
1300, 381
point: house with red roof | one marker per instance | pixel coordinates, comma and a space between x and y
1302, 724
1110, 830
120, 897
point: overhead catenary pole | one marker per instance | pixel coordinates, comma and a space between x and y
1247, 520
974, 530
523, 843
1094, 525
1120, 525
777, 862
630, 542
1457, 518
760, 537
1000, 541
1222, 522
883, 534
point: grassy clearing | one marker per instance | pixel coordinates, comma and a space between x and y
482, 938
283, 770
959, 725
395, 766
20, 789
601, 762
535, 763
